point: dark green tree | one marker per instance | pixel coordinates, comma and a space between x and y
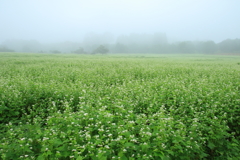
229, 46
101, 49
208, 47
186, 47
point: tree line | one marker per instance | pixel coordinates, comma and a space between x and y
133, 43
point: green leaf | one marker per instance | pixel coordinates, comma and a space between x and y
211, 145
202, 155
129, 145
79, 158
123, 157
170, 152
41, 157
57, 142
158, 153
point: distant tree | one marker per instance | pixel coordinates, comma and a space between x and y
229, 46
79, 51
208, 47
186, 47
5, 49
101, 49
55, 51
120, 48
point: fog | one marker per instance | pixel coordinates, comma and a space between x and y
108, 21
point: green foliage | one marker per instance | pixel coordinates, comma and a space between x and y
5, 49
119, 107
229, 46
101, 49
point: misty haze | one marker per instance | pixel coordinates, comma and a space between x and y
121, 26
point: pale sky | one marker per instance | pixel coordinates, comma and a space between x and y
70, 20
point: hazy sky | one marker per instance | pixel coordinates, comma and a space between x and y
70, 20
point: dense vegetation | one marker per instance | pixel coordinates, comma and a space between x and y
119, 107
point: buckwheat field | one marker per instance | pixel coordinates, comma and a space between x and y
101, 107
